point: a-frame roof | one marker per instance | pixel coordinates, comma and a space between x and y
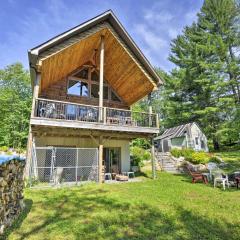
174, 132
125, 64
178, 131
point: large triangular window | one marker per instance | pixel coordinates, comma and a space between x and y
85, 83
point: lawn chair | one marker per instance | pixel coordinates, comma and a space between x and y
211, 166
197, 176
47, 111
221, 178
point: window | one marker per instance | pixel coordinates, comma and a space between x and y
105, 92
85, 83
82, 74
114, 97
95, 77
196, 140
77, 88
94, 90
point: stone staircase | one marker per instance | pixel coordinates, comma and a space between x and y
166, 163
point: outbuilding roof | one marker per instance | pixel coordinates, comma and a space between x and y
174, 132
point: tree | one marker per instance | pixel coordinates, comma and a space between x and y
15, 105
204, 87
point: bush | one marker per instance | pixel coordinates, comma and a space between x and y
138, 155
199, 157
146, 155
187, 154
191, 156
176, 152
4, 148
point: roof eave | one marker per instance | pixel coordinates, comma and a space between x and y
113, 20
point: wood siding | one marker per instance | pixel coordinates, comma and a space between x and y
58, 91
122, 70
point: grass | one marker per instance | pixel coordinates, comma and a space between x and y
169, 207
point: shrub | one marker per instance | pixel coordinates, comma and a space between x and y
20, 150
138, 155
146, 155
4, 148
191, 156
176, 152
187, 154
199, 157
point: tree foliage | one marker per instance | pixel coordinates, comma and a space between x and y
15, 105
205, 85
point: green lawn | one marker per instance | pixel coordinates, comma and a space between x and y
170, 207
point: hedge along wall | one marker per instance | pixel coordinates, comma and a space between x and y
11, 192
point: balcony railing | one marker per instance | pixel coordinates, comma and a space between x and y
87, 113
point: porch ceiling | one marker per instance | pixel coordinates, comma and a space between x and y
121, 70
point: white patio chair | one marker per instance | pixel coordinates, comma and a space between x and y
218, 178
211, 166
107, 176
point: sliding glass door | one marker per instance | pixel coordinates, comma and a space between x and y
112, 160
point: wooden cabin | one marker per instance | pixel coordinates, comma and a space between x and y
188, 135
84, 82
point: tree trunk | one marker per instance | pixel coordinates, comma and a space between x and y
215, 144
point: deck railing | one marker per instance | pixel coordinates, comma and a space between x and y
53, 109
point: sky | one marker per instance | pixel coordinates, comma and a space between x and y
152, 24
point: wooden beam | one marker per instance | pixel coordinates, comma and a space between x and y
39, 130
94, 139
90, 125
30, 135
101, 79
153, 159
100, 159
35, 92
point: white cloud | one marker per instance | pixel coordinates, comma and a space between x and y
158, 16
149, 37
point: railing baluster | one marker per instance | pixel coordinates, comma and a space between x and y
46, 108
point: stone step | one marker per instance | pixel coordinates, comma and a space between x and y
167, 164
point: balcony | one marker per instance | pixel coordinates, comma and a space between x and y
65, 114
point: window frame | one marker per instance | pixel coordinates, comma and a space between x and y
77, 80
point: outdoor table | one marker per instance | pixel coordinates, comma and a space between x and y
207, 176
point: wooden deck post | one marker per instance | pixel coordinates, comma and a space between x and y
30, 136
150, 109
101, 79
150, 116
153, 159
100, 159
157, 121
